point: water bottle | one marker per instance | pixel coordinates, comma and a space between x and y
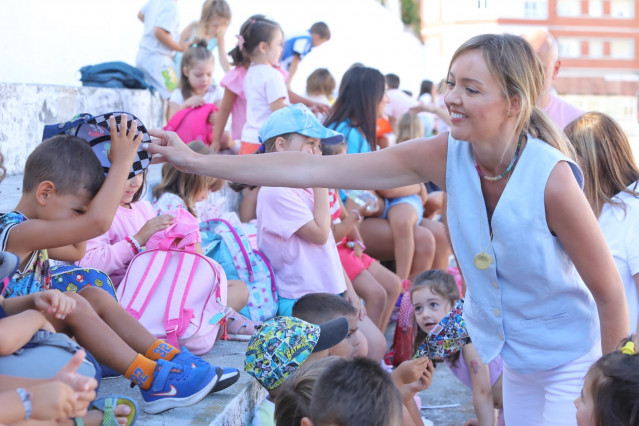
362, 197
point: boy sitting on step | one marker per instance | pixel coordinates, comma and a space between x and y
65, 201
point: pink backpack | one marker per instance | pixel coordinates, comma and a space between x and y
192, 124
177, 294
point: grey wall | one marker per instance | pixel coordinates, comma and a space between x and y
26, 108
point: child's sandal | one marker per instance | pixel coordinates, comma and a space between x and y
107, 405
240, 328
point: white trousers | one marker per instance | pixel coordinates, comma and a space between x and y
546, 397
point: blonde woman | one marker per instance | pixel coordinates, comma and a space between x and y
521, 227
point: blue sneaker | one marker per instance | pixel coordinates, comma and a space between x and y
175, 385
229, 375
186, 358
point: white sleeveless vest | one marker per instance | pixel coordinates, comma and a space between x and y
530, 305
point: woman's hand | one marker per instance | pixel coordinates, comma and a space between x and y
152, 226
171, 148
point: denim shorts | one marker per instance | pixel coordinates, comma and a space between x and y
414, 200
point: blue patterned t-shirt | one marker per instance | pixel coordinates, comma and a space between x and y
35, 276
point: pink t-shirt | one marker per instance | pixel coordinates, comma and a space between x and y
263, 85
561, 111
110, 252
300, 267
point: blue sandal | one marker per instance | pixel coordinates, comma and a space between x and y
107, 405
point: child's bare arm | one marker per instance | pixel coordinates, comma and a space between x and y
50, 301
317, 230
141, 16
37, 234
275, 105
70, 253
349, 220
222, 117
16, 330
165, 38
186, 33
482, 391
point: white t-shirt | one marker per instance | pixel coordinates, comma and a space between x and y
163, 14
213, 94
621, 230
263, 85
398, 103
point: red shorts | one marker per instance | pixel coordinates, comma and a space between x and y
352, 264
248, 148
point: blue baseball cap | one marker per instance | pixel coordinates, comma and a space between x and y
297, 119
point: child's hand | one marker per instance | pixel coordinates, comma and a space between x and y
152, 226
84, 387
194, 101
124, 144
471, 422
357, 249
171, 148
52, 401
411, 370
54, 302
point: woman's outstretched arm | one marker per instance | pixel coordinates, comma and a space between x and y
411, 162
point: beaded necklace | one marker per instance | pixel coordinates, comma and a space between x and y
505, 172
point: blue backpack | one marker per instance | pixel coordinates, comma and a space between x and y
115, 75
230, 247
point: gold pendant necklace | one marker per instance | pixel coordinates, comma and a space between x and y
482, 259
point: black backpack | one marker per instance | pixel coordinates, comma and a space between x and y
114, 74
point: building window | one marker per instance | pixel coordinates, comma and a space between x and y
569, 47
595, 49
595, 8
622, 48
569, 7
536, 9
622, 9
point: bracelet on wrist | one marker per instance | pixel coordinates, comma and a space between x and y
361, 244
359, 216
135, 246
25, 397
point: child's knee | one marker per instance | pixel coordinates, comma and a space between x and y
425, 242
239, 289
97, 298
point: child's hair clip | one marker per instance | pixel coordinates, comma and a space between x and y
628, 348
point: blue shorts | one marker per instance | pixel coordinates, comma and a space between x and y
414, 200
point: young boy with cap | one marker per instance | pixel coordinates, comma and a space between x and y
280, 347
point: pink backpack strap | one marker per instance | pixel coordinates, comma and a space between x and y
152, 275
175, 322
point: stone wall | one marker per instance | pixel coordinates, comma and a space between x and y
26, 108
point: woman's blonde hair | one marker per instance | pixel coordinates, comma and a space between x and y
409, 126
518, 71
186, 185
605, 156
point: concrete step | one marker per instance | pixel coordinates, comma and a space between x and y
232, 406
